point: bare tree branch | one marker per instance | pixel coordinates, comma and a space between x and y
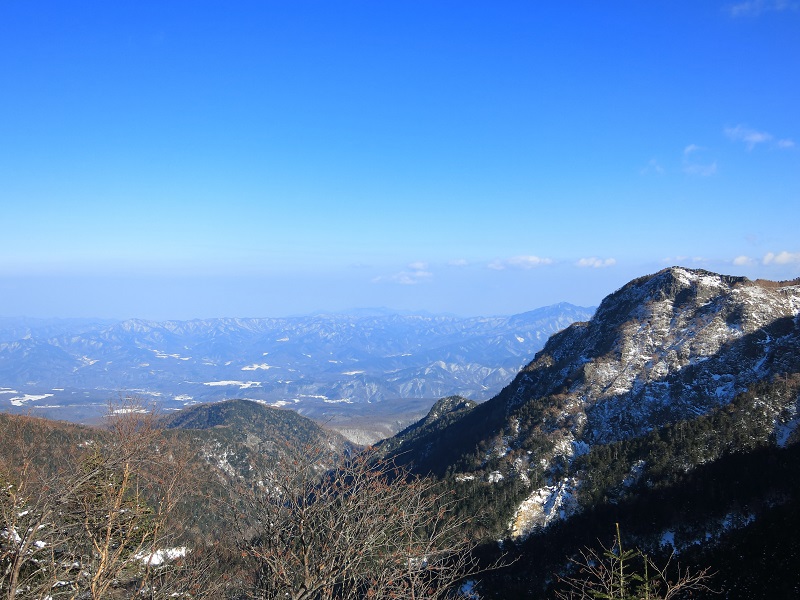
359, 528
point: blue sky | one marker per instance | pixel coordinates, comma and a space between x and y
185, 159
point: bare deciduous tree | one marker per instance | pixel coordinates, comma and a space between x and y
361, 528
96, 526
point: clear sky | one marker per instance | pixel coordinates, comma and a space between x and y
193, 158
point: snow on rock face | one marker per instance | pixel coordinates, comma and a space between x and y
543, 506
787, 425
664, 347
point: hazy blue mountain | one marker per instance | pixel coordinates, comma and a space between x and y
318, 364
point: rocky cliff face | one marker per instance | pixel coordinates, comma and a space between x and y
664, 349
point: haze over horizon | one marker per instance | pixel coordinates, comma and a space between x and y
259, 159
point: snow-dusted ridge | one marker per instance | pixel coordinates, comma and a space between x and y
664, 348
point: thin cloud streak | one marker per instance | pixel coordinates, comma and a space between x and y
653, 166
753, 137
693, 166
519, 262
418, 273
754, 8
701, 170
596, 263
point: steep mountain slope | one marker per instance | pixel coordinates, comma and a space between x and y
662, 350
445, 411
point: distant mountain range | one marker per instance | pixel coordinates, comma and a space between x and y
320, 365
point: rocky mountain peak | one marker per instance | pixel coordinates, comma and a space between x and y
661, 348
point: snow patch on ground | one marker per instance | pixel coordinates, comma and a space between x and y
160, 354
635, 474
494, 477
783, 432
21, 400
125, 411
243, 385
255, 367
159, 557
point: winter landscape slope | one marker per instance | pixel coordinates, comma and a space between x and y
663, 348
675, 370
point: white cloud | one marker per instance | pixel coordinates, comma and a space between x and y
753, 137
596, 263
753, 8
528, 262
743, 261
692, 165
519, 262
418, 273
458, 262
701, 170
653, 166
782, 258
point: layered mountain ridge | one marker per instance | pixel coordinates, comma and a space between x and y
313, 363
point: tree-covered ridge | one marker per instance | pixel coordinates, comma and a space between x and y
651, 414
252, 424
446, 411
